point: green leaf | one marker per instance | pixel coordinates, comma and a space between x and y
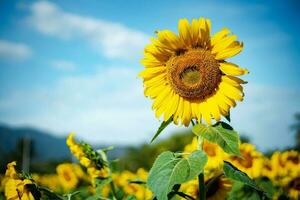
241, 191
163, 125
169, 170
131, 197
100, 183
222, 134
34, 191
235, 174
267, 186
49, 194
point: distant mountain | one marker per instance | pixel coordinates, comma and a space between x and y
46, 146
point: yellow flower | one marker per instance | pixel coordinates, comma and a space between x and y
214, 154
67, 176
251, 162
283, 167
294, 188
15, 188
11, 171
48, 180
92, 169
187, 75
221, 188
122, 180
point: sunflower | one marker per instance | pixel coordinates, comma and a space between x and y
284, 167
187, 75
219, 188
67, 176
294, 188
15, 187
93, 170
122, 180
214, 153
251, 162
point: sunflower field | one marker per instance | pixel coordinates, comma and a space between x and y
192, 84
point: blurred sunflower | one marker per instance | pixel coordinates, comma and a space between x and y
187, 75
251, 162
284, 167
78, 150
15, 186
214, 153
67, 176
218, 190
294, 188
122, 180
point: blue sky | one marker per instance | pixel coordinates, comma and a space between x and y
72, 65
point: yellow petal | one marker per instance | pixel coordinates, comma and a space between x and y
204, 32
230, 91
232, 69
170, 40
219, 97
236, 79
151, 72
150, 61
179, 111
213, 105
152, 81
195, 32
161, 97
154, 91
223, 43
232, 82
159, 53
229, 52
172, 108
204, 109
186, 115
219, 35
184, 31
163, 106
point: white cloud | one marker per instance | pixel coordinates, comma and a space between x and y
64, 65
14, 51
104, 107
266, 115
109, 106
114, 40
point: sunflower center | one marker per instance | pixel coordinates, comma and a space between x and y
67, 176
194, 74
246, 161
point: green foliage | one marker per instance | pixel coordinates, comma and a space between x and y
96, 157
236, 175
135, 156
163, 125
241, 191
266, 185
169, 169
222, 134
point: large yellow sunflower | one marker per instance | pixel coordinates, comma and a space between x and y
187, 75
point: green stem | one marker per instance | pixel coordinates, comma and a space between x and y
202, 190
112, 185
